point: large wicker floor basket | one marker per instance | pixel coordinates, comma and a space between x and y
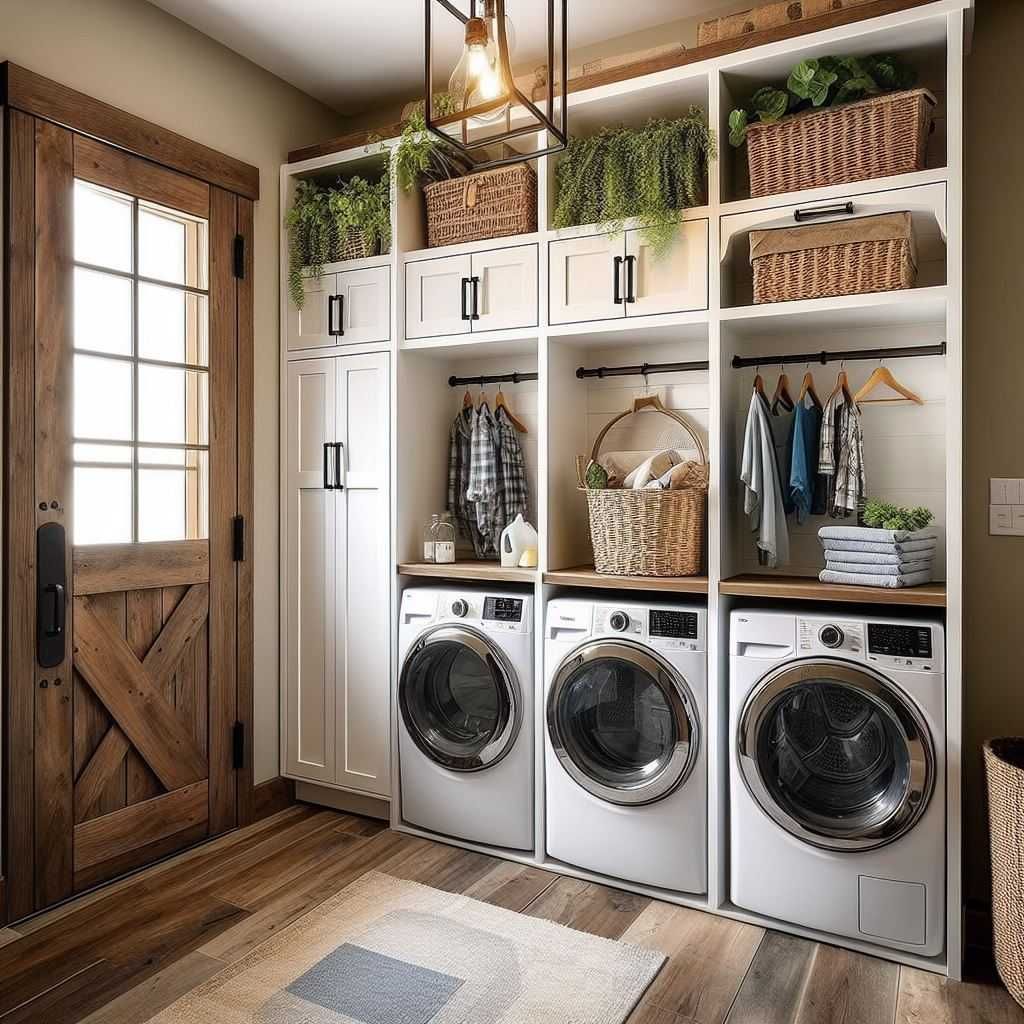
648, 532
1004, 769
490, 204
850, 257
872, 138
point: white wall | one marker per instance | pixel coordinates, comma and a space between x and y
142, 60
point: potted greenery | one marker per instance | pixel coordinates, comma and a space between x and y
421, 157
650, 173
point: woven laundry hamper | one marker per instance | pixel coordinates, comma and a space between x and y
354, 246
489, 204
872, 138
847, 257
1004, 770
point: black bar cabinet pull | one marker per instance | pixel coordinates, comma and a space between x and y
617, 283
822, 211
338, 447
465, 311
340, 332
51, 594
327, 474
631, 279
474, 283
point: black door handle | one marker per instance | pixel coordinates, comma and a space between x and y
338, 465
474, 283
465, 311
327, 462
340, 333
51, 595
822, 211
336, 329
617, 281
631, 279
59, 606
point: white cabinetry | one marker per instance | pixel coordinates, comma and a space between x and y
335, 572
482, 291
598, 277
350, 307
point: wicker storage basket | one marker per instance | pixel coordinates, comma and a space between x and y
872, 138
354, 247
490, 204
646, 532
1004, 769
850, 257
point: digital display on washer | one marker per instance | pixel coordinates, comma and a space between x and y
503, 609
676, 625
898, 641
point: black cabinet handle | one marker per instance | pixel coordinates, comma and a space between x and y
617, 281
51, 594
465, 311
327, 475
822, 211
475, 288
340, 333
338, 468
631, 279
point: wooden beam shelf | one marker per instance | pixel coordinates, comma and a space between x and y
808, 588
473, 572
588, 576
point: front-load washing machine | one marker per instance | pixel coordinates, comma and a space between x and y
625, 752
465, 706
837, 794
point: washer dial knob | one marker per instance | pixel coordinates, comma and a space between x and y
459, 608
619, 621
831, 636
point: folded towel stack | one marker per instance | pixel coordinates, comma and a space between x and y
862, 556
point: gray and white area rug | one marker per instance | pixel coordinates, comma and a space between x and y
387, 951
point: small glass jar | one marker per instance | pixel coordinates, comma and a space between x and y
444, 540
430, 539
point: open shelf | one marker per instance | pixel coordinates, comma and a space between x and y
587, 576
807, 588
478, 572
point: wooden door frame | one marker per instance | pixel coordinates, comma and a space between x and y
28, 104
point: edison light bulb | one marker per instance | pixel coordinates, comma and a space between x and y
477, 78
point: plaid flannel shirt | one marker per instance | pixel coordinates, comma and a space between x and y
459, 456
515, 496
850, 483
483, 489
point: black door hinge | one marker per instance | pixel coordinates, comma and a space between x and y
239, 257
238, 539
238, 746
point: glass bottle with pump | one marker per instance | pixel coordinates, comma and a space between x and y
444, 540
430, 538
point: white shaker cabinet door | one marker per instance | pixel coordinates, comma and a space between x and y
312, 326
586, 279
674, 282
504, 288
437, 297
365, 305
363, 650
309, 567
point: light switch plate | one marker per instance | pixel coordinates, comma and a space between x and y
1006, 507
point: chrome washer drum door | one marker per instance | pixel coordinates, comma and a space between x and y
620, 722
836, 754
459, 699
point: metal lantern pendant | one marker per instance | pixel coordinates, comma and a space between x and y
483, 109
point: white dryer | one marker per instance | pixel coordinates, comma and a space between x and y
625, 754
837, 771
465, 706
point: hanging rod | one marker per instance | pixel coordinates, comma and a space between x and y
641, 370
492, 378
908, 352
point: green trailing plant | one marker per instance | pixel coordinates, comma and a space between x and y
322, 216
650, 173
824, 82
882, 515
421, 157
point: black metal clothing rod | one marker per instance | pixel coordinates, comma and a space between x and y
908, 352
640, 370
492, 378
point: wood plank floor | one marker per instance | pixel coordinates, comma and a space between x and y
120, 956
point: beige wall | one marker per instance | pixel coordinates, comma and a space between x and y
994, 388
138, 58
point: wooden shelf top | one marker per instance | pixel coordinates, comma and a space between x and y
483, 572
808, 588
587, 576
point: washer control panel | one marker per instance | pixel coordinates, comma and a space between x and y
915, 646
830, 636
618, 620
897, 643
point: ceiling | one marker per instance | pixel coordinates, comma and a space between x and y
355, 55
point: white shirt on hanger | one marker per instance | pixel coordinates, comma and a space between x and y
762, 494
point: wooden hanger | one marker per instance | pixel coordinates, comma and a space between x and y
500, 403
881, 375
782, 396
759, 384
807, 388
467, 400
842, 384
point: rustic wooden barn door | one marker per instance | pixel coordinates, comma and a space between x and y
131, 538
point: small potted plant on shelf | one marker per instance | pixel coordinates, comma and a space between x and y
859, 116
651, 173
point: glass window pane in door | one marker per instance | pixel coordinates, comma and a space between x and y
173, 325
103, 312
102, 505
103, 227
103, 398
119, 454
172, 247
173, 494
173, 405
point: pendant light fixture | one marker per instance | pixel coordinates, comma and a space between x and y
483, 110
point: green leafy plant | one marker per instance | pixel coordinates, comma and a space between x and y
882, 515
321, 218
824, 82
651, 173
421, 157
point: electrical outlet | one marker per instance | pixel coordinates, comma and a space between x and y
1006, 507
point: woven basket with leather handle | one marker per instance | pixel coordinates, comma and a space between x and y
1004, 769
490, 204
646, 532
872, 138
